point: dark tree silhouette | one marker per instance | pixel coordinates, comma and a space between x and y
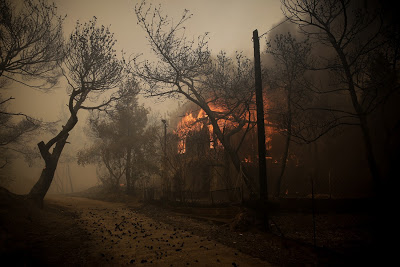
185, 68
285, 79
31, 47
362, 59
91, 68
31, 42
123, 142
357, 36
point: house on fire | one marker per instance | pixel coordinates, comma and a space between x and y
200, 164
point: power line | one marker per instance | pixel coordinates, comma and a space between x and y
274, 27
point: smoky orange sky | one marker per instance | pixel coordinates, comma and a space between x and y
230, 24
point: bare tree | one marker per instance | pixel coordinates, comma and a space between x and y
11, 132
91, 68
285, 79
31, 42
31, 47
186, 69
355, 35
16, 131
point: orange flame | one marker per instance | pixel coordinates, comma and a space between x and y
190, 123
187, 124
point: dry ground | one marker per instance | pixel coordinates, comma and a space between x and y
77, 231
80, 231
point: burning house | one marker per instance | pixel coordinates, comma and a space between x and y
205, 166
200, 166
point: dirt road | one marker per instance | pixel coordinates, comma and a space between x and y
119, 235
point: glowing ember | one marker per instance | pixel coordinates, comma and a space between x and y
247, 160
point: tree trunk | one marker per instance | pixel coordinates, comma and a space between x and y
373, 166
283, 166
226, 174
41, 187
199, 100
231, 152
224, 141
129, 185
286, 152
379, 210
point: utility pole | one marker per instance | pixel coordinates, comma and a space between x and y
262, 163
165, 137
69, 177
164, 169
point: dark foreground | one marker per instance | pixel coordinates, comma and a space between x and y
81, 232
35, 237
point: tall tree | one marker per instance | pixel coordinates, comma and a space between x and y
31, 42
91, 68
220, 86
124, 141
359, 38
31, 47
286, 79
355, 35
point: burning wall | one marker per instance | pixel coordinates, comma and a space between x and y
194, 122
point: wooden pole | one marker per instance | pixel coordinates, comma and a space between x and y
164, 163
69, 177
260, 126
313, 211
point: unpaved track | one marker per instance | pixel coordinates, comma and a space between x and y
120, 236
